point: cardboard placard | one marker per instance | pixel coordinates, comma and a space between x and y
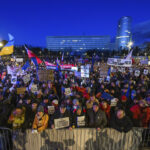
61, 123
34, 88
13, 79
67, 91
145, 72
81, 121
51, 110
21, 90
26, 78
137, 73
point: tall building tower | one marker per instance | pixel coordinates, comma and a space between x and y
124, 33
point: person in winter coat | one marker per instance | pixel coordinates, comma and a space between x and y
97, 118
121, 122
17, 118
79, 118
41, 120
61, 113
106, 108
141, 114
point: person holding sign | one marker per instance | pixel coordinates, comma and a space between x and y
41, 120
61, 119
79, 118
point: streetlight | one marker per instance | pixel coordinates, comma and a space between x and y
1, 44
130, 45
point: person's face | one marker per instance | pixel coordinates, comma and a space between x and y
62, 110
40, 114
104, 104
141, 103
92, 98
28, 101
34, 106
95, 108
112, 91
113, 84
45, 101
18, 112
78, 111
120, 114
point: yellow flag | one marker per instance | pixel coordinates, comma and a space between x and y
9, 47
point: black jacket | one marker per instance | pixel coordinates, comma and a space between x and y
122, 125
58, 115
98, 119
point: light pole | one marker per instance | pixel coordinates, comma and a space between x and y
130, 45
1, 44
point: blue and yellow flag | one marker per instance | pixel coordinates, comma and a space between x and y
9, 47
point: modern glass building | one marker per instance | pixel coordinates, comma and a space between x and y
124, 33
78, 43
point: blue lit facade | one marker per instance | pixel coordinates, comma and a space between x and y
124, 33
78, 43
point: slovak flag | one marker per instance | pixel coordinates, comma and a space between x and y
33, 57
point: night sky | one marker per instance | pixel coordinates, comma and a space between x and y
30, 21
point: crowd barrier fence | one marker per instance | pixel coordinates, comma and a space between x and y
76, 139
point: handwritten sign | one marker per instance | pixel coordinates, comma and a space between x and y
61, 123
51, 110
34, 88
26, 78
67, 91
81, 121
21, 90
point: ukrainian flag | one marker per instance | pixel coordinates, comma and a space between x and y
9, 47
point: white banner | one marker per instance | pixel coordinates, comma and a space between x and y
61, 123
119, 62
19, 59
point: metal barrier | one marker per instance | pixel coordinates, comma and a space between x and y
76, 139
5, 139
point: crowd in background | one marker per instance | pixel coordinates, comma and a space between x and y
121, 103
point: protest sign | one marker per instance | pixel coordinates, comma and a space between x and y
51, 110
46, 75
77, 74
101, 80
137, 73
26, 78
34, 88
145, 72
67, 91
13, 79
21, 90
119, 62
19, 59
85, 71
61, 123
130, 70
81, 121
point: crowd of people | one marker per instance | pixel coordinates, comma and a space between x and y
121, 103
